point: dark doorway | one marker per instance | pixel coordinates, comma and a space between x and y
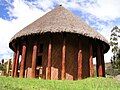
39, 67
39, 61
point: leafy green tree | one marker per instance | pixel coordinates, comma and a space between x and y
114, 38
118, 59
2, 67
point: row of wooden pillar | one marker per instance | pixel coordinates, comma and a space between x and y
16, 62
99, 61
22, 64
80, 60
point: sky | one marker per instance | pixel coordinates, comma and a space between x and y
102, 15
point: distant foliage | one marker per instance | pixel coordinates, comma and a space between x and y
2, 67
112, 72
115, 59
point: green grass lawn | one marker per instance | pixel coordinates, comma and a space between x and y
8, 83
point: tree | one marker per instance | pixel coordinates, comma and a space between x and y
115, 59
2, 67
118, 59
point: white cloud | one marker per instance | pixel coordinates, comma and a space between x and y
42, 4
104, 9
5, 35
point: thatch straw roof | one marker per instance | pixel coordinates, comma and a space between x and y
59, 20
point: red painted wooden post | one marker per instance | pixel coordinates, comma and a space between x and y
22, 65
91, 60
49, 61
16, 63
34, 56
97, 60
79, 59
63, 75
103, 63
99, 63
13, 65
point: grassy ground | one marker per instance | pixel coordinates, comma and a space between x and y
8, 83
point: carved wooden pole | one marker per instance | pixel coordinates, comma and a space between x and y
63, 75
91, 60
13, 64
103, 63
34, 56
16, 63
49, 60
79, 59
97, 60
22, 65
99, 66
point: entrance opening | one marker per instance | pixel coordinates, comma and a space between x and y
39, 61
39, 67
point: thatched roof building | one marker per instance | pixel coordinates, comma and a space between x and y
57, 41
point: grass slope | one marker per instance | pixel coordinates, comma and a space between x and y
8, 83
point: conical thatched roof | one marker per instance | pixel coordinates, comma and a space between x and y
59, 20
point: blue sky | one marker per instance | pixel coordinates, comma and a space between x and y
102, 15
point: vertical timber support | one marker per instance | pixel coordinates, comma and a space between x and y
79, 59
13, 64
63, 75
103, 63
100, 62
98, 59
22, 65
49, 60
16, 63
34, 56
91, 60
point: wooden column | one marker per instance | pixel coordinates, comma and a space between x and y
16, 63
63, 75
103, 63
22, 64
49, 60
34, 56
91, 60
99, 66
13, 64
79, 59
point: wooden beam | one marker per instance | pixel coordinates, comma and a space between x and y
16, 63
91, 60
79, 59
63, 75
99, 63
97, 60
103, 63
49, 61
34, 56
13, 64
22, 64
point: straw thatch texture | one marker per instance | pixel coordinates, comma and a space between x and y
59, 20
